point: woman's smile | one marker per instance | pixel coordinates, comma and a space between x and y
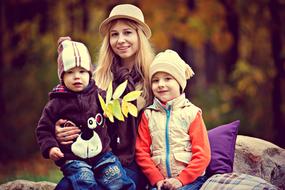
124, 40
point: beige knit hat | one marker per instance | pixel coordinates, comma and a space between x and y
72, 54
126, 11
170, 62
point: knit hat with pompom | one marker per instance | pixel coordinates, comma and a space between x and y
170, 62
72, 54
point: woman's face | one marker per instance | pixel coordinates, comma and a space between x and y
124, 41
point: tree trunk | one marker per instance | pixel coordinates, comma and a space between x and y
85, 18
276, 48
2, 48
213, 60
231, 56
186, 53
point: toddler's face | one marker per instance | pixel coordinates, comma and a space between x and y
76, 79
165, 87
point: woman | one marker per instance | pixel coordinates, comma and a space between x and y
125, 54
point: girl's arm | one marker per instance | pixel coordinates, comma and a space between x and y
200, 151
143, 153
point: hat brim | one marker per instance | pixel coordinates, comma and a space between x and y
103, 25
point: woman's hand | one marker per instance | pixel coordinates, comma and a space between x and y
67, 133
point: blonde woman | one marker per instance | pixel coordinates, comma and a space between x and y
125, 54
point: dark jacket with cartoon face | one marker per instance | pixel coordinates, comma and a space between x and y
84, 110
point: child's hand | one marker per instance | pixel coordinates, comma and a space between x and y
159, 184
55, 153
172, 184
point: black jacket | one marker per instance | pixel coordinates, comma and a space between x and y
80, 108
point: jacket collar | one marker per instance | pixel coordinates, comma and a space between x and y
61, 90
178, 102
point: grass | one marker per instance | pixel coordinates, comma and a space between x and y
33, 169
52, 176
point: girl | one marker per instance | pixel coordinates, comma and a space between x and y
172, 146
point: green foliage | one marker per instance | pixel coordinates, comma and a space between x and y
28, 77
216, 105
35, 168
54, 175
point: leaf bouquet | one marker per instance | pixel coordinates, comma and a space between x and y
118, 107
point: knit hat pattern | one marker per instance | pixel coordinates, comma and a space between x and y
72, 54
170, 62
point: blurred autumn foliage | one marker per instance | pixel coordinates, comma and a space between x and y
236, 48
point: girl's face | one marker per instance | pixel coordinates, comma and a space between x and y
76, 79
165, 87
124, 41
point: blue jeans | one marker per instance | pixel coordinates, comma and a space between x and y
135, 173
195, 185
106, 173
132, 170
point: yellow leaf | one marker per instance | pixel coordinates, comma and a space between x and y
103, 105
133, 109
120, 90
109, 112
132, 95
116, 109
109, 93
111, 117
125, 108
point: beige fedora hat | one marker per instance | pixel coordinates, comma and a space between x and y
125, 11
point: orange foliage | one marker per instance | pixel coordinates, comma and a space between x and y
174, 19
222, 41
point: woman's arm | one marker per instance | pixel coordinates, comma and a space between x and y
66, 131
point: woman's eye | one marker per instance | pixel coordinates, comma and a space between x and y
114, 34
154, 80
128, 32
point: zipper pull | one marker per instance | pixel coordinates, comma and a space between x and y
118, 140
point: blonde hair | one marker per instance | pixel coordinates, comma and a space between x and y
103, 74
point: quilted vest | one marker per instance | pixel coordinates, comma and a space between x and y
169, 130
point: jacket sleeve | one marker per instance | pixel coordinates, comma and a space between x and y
200, 151
45, 132
143, 153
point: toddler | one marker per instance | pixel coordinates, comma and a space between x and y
88, 162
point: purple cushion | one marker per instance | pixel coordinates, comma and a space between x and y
222, 142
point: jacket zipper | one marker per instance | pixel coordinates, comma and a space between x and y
167, 143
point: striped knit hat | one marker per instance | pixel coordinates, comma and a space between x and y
72, 54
